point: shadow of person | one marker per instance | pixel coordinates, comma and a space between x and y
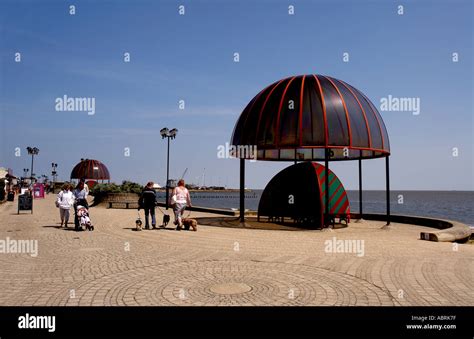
69, 228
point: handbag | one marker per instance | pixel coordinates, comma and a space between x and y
56, 203
174, 199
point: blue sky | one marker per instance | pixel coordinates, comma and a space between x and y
190, 57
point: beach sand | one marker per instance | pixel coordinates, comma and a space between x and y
115, 265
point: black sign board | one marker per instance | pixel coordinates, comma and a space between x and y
25, 203
10, 196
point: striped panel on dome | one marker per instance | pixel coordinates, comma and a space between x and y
338, 201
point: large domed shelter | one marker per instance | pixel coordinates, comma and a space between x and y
90, 169
311, 118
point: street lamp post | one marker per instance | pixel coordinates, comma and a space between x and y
25, 175
53, 174
32, 151
166, 133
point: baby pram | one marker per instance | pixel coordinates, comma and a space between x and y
84, 219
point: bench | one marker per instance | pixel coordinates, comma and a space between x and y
309, 220
342, 217
127, 204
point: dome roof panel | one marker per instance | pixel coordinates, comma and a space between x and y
90, 169
298, 116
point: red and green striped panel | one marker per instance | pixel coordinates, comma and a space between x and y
338, 201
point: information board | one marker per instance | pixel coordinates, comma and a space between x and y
25, 203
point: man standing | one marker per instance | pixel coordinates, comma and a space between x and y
147, 201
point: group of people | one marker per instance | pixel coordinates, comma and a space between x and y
179, 200
74, 198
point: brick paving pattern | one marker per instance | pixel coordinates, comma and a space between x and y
115, 265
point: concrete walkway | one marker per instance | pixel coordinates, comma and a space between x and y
115, 265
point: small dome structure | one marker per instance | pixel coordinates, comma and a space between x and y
298, 117
285, 196
90, 169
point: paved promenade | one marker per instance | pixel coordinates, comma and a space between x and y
115, 265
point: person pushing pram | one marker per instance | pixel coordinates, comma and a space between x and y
80, 195
83, 218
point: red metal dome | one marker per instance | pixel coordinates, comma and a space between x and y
90, 169
297, 118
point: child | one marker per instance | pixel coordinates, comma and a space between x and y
83, 214
65, 201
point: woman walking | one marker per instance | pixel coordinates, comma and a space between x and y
80, 196
180, 199
65, 201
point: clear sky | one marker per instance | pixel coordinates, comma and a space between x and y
191, 57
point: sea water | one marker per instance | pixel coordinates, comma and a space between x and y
451, 205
